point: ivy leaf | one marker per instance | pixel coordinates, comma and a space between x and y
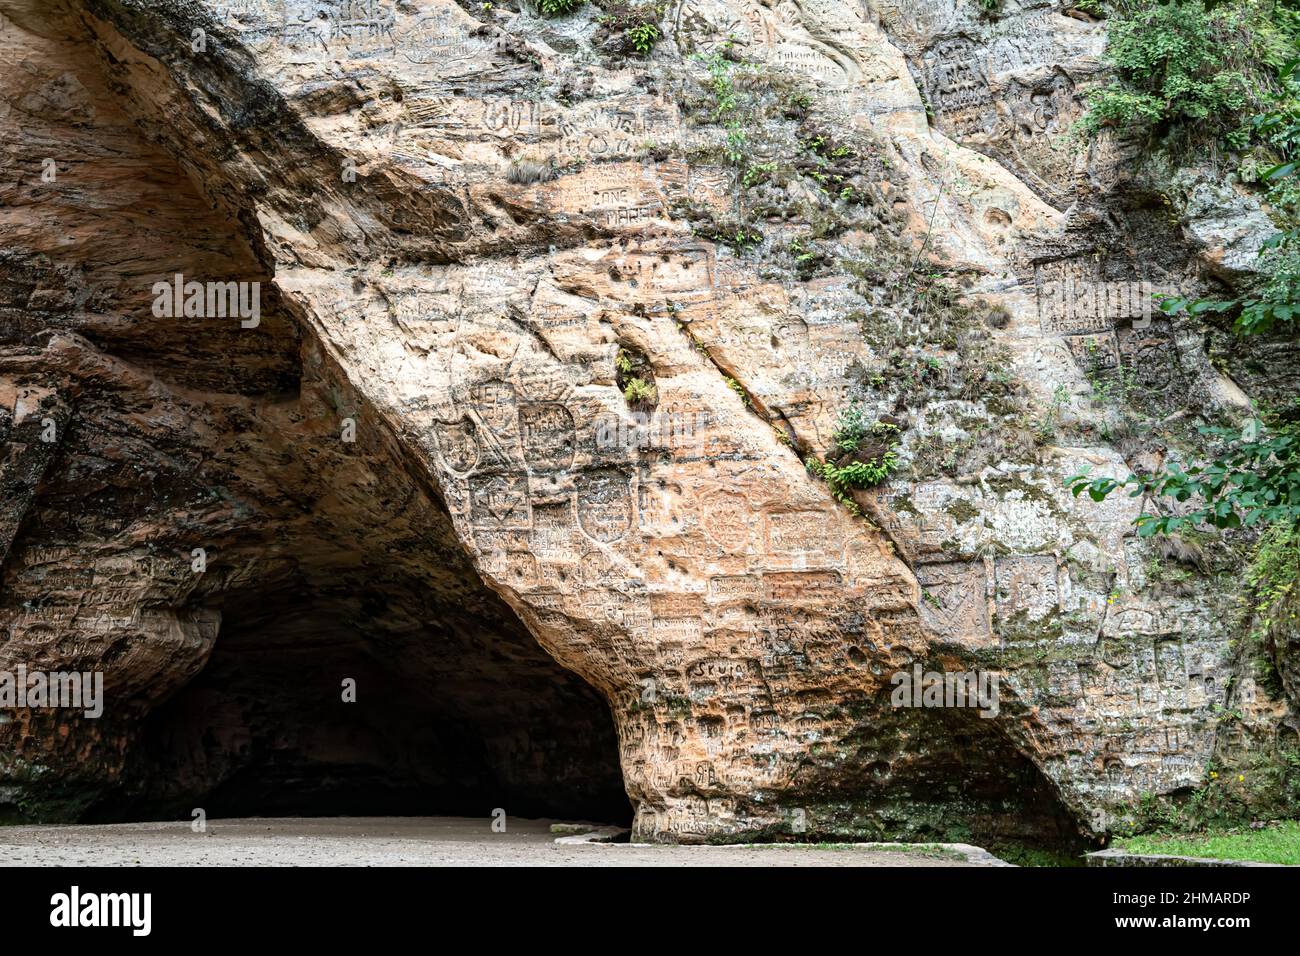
1280, 170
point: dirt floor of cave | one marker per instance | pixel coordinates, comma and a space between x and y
390, 841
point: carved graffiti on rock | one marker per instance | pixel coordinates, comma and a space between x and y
546, 430
954, 599
500, 502
457, 444
727, 519
604, 502
495, 401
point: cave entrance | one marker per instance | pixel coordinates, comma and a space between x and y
938, 775
457, 711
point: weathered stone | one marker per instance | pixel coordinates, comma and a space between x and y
421, 464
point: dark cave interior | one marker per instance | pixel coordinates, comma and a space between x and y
456, 718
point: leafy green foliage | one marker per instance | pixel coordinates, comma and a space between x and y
1116, 106
635, 377
1272, 303
643, 37
1278, 129
725, 103
558, 8
864, 454
853, 427
861, 474
628, 27
756, 173
1274, 580
1188, 64
736, 139
1256, 480
724, 90
639, 392
1275, 158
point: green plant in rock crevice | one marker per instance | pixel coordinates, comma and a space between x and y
558, 8
639, 392
724, 89
864, 455
1274, 582
1110, 383
635, 378
629, 28
1045, 425
643, 37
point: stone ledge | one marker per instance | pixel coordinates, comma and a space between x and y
966, 852
1124, 858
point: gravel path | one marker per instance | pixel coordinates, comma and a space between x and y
398, 841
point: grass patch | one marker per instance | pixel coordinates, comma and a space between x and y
1278, 843
1261, 785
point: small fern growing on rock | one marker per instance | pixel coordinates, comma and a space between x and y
635, 377
864, 455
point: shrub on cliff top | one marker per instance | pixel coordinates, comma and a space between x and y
1185, 64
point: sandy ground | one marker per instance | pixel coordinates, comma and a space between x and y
395, 841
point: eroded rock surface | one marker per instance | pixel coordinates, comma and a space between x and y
463, 219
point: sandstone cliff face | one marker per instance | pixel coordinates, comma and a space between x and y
419, 469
